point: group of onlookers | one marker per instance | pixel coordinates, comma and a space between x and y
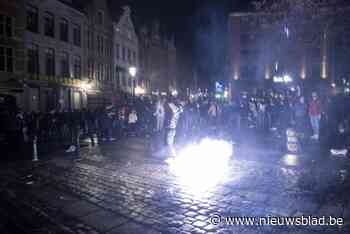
181, 118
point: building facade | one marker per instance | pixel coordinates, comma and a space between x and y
53, 55
307, 54
158, 66
73, 54
11, 49
126, 54
99, 56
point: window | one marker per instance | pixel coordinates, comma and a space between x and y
100, 17
64, 30
32, 19
77, 35
2, 25
65, 65
50, 62
98, 71
106, 47
6, 26
129, 55
98, 44
9, 59
134, 57
117, 48
90, 40
33, 59
101, 71
102, 45
49, 24
2, 59
77, 67
6, 59
107, 72
90, 69
110, 72
123, 54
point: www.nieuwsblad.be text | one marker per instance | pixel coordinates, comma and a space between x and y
217, 219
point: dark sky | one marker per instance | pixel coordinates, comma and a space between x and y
179, 16
199, 27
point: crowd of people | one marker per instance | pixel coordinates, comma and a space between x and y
313, 118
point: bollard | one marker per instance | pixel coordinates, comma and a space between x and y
35, 149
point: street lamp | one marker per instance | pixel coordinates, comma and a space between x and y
86, 86
133, 72
139, 91
174, 93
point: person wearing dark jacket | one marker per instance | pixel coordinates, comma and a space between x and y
74, 125
340, 141
300, 115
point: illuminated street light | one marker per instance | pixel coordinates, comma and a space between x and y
226, 94
333, 85
287, 79
282, 79
86, 86
132, 71
139, 91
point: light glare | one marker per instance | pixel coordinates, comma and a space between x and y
133, 71
203, 165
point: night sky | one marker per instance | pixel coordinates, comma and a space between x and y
199, 27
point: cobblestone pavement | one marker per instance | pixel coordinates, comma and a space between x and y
120, 188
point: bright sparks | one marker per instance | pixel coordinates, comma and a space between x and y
202, 166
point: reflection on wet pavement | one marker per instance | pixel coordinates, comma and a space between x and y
125, 180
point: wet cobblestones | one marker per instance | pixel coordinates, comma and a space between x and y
120, 189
